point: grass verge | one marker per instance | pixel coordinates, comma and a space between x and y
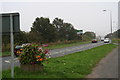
5, 53
116, 40
76, 65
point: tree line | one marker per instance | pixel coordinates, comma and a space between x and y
42, 31
115, 34
45, 32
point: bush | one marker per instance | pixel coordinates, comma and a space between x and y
33, 54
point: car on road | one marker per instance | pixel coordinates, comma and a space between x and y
94, 41
106, 40
25, 44
18, 50
102, 39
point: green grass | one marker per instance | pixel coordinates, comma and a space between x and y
5, 53
116, 40
76, 65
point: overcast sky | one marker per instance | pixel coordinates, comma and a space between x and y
86, 16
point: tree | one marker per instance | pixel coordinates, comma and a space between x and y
34, 37
58, 23
44, 29
20, 37
70, 32
65, 31
89, 35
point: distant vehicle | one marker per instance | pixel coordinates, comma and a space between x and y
94, 40
25, 44
106, 40
18, 50
102, 39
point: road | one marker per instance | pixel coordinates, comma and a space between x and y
107, 67
54, 53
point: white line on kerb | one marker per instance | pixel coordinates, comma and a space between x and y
9, 61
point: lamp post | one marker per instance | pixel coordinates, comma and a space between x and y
110, 20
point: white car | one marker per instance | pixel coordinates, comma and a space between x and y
106, 40
25, 44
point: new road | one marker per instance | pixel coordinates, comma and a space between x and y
54, 53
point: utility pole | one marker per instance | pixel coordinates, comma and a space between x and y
110, 21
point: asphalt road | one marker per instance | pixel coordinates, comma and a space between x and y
107, 67
54, 53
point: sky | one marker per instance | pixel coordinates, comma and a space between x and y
86, 16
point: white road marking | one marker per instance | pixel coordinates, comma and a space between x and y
9, 61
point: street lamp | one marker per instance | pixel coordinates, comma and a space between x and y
110, 20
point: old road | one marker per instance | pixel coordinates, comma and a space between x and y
107, 67
54, 53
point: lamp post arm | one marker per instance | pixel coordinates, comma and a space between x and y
111, 21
